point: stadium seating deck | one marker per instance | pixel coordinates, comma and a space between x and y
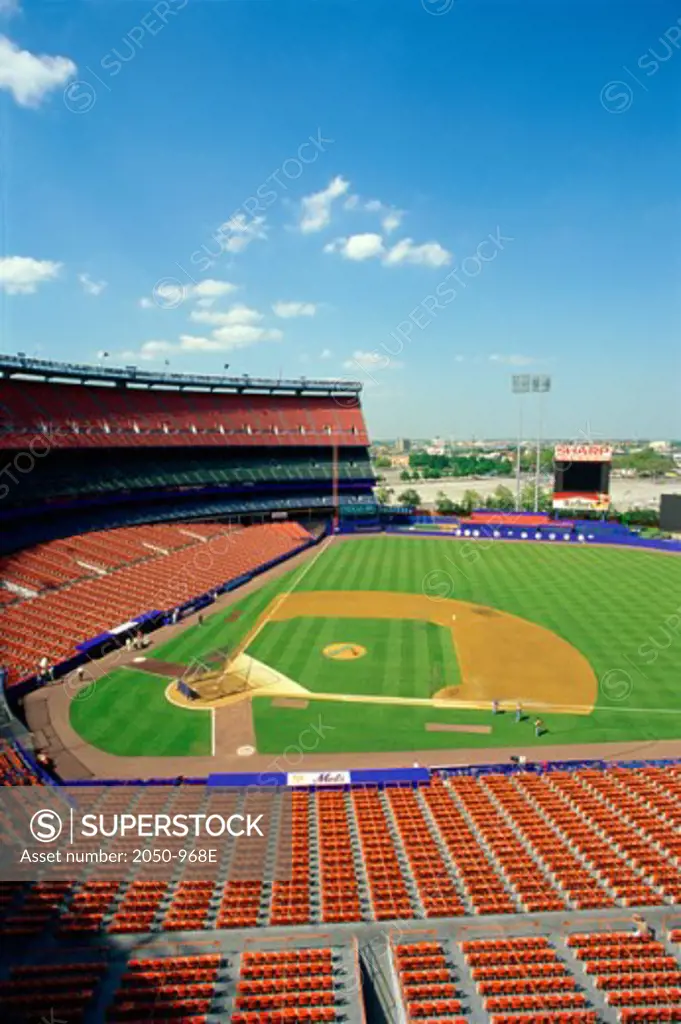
477, 940
61, 562
442, 851
159, 468
83, 416
52, 624
545, 976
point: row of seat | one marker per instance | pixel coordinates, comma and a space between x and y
214, 468
51, 624
59, 562
487, 845
75, 416
429, 982
292, 982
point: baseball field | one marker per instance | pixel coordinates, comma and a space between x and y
402, 643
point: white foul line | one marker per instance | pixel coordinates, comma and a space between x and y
287, 593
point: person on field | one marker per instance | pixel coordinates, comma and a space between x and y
518, 712
495, 707
538, 727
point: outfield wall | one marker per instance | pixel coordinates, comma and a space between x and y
551, 533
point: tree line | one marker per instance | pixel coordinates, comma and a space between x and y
502, 499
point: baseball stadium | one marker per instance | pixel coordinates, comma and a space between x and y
462, 734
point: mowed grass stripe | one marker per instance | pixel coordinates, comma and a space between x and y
610, 604
126, 713
411, 642
221, 630
613, 605
396, 652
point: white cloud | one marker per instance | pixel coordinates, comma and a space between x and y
171, 295
235, 315
430, 254
514, 360
23, 274
91, 287
29, 77
459, 359
316, 208
206, 292
371, 361
246, 334
223, 339
369, 245
155, 349
392, 220
238, 232
287, 310
357, 247
326, 353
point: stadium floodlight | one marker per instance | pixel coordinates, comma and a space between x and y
521, 383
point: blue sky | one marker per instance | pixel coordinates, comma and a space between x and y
428, 195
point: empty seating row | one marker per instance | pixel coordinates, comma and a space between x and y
51, 625
71, 416
429, 982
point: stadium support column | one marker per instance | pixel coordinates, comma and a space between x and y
334, 485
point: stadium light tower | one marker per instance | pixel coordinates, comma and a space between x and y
520, 385
540, 385
525, 384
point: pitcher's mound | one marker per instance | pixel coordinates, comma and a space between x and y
344, 652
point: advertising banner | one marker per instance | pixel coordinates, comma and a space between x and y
585, 502
319, 778
582, 453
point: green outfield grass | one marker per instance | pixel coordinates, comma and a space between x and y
621, 608
404, 658
126, 713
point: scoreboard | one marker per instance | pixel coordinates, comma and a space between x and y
582, 477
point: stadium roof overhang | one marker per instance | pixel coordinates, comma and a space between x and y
26, 368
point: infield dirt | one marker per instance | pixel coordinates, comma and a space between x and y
501, 656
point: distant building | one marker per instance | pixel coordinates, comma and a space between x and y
662, 447
437, 447
403, 444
